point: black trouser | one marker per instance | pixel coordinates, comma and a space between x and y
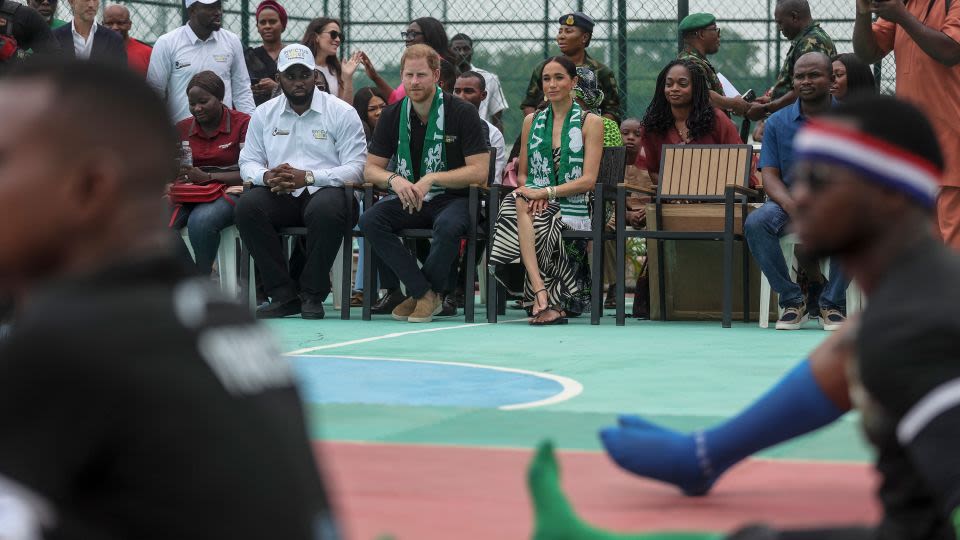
449, 218
260, 215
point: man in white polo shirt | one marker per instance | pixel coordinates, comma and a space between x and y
301, 148
197, 46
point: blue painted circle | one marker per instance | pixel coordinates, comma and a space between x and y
384, 382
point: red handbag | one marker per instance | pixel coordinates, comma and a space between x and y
181, 194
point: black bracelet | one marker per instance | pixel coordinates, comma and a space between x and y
389, 179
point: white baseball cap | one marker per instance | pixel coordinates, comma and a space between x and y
188, 3
293, 55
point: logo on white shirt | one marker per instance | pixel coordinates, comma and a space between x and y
320, 134
178, 64
221, 57
278, 131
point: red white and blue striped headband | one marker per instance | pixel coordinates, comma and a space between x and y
876, 159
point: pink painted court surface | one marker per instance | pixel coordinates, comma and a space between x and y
425, 431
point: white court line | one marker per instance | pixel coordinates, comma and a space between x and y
394, 335
571, 388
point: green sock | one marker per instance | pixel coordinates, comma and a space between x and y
556, 519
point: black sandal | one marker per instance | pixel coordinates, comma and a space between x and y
562, 319
532, 306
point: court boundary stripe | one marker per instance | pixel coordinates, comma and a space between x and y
394, 335
570, 388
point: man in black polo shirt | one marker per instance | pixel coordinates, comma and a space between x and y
440, 148
135, 402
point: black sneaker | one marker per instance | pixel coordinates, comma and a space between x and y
276, 310
388, 302
793, 317
312, 309
449, 307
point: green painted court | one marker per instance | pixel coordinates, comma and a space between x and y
425, 430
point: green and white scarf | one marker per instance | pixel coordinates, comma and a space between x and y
434, 157
540, 166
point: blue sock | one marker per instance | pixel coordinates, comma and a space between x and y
693, 462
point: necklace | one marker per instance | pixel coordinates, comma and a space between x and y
682, 130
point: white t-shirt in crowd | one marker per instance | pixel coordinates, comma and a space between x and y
332, 83
495, 101
179, 54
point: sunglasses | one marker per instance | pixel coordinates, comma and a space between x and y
334, 35
712, 29
409, 35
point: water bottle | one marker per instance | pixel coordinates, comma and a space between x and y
186, 154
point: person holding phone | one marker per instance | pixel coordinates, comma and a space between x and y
924, 35
216, 134
262, 60
701, 37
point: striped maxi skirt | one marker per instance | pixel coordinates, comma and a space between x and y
564, 264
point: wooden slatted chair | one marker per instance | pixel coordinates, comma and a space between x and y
717, 177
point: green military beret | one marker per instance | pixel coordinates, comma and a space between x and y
696, 21
578, 19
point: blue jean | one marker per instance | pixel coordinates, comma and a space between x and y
763, 229
204, 223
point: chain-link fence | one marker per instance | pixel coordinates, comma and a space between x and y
635, 39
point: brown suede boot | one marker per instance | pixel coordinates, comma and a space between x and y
427, 306
405, 309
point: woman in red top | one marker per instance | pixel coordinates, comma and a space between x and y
216, 134
680, 113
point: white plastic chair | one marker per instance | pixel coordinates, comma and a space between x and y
336, 277
787, 243
226, 258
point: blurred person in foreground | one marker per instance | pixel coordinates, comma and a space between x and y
865, 185
165, 411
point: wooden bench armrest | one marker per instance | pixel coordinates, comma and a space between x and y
743, 190
635, 189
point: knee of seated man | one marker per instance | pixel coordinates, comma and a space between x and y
250, 206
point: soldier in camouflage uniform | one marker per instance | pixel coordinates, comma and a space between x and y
796, 24
573, 38
701, 37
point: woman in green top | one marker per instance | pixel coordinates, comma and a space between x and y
559, 162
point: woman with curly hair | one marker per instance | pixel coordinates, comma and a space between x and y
681, 113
